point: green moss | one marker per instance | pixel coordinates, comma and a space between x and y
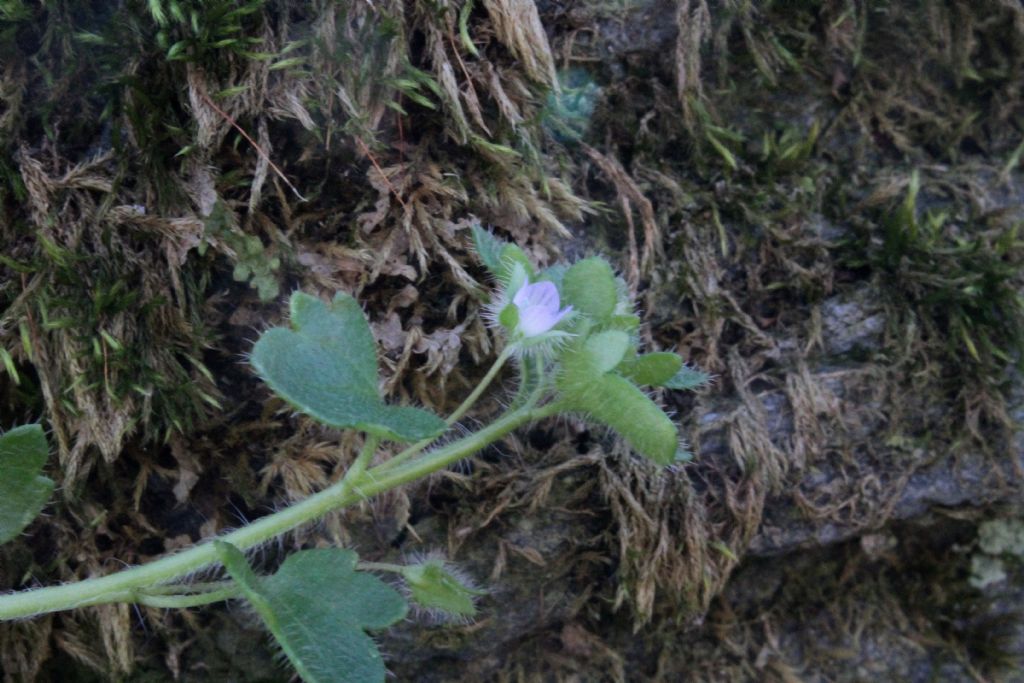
959, 277
95, 309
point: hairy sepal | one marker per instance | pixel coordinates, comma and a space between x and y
687, 378
589, 286
433, 585
607, 349
652, 369
498, 256
488, 249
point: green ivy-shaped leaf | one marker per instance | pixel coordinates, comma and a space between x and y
318, 607
326, 366
23, 490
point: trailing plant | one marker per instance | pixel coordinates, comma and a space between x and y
571, 333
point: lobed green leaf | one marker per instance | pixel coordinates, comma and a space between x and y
326, 366
23, 489
318, 608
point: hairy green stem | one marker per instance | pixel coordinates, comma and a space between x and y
358, 466
484, 383
187, 588
123, 585
176, 595
531, 381
178, 601
417, 447
525, 383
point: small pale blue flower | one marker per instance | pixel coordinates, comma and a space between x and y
538, 305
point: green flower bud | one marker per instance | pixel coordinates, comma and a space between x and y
436, 586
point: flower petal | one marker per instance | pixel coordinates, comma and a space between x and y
522, 297
543, 294
534, 320
546, 294
561, 314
